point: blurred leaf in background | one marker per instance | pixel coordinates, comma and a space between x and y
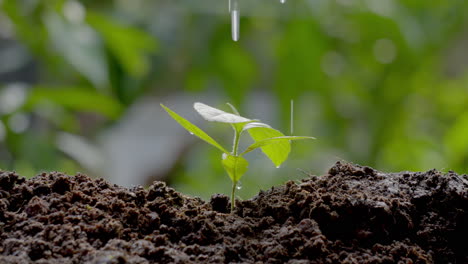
381, 83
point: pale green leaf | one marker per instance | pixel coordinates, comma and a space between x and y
235, 166
80, 46
215, 115
239, 127
193, 129
277, 152
274, 140
130, 46
253, 125
75, 98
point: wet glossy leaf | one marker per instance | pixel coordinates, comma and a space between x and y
277, 152
235, 166
239, 127
255, 125
274, 140
193, 129
215, 115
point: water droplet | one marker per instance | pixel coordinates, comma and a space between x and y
279, 166
239, 186
235, 17
191, 133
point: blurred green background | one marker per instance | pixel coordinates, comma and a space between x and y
382, 83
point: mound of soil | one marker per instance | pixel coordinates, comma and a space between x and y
353, 214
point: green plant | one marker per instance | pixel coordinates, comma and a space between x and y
274, 144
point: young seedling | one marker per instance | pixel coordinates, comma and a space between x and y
274, 144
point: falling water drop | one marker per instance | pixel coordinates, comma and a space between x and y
239, 185
292, 117
235, 17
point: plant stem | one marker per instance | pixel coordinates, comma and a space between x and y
236, 143
233, 199
234, 183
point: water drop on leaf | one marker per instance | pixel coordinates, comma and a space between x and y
239, 185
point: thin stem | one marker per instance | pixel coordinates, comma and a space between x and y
234, 153
233, 200
236, 143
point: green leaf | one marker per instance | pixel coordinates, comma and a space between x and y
274, 140
277, 152
239, 127
215, 115
75, 98
254, 125
235, 67
235, 166
26, 29
456, 139
193, 129
130, 46
80, 46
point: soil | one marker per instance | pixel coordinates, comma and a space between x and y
353, 214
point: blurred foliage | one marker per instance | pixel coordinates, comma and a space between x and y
381, 83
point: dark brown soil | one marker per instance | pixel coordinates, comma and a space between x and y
353, 214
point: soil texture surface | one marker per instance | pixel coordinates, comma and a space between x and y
353, 214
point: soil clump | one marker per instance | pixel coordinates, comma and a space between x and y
353, 214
